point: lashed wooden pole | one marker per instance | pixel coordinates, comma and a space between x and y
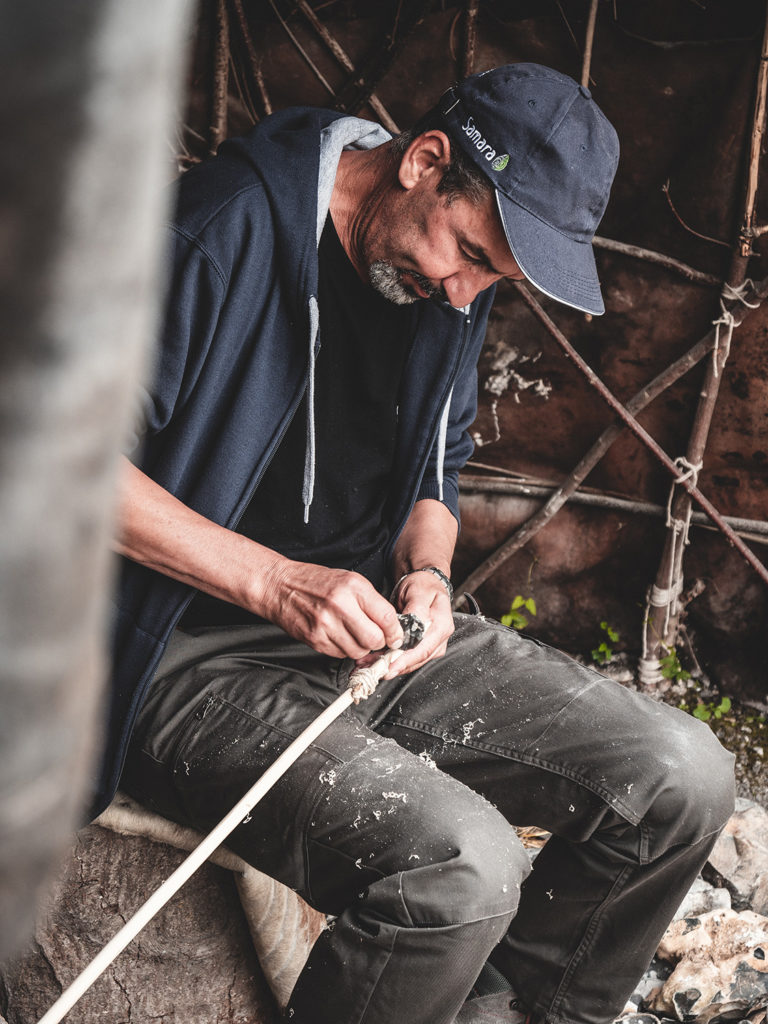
663, 606
753, 529
634, 406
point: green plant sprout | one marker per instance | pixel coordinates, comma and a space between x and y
671, 667
705, 711
515, 618
603, 653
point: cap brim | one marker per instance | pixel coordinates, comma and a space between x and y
561, 267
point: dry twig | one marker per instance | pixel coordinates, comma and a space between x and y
253, 59
220, 89
688, 228
310, 63
341, 56
588, 43
353, 95
470, 37
697, 276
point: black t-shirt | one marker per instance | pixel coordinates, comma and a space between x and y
364, 342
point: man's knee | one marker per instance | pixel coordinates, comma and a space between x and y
479, 873
449, 855
693, 790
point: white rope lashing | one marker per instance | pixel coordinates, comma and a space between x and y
727, 320
668, 597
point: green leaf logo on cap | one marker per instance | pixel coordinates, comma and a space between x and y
500, 162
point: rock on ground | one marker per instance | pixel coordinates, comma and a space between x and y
721, 965
740, 857
193, 962
702, 898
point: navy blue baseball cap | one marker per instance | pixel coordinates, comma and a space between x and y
551, 155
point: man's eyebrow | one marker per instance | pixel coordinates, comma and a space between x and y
478, 252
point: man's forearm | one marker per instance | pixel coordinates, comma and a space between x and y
429, 538
336, 612
160, 532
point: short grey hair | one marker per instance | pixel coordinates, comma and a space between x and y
461, 179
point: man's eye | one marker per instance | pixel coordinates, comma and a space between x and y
472, 259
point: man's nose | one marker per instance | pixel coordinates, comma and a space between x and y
462, 288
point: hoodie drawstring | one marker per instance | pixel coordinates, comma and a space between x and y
308, 487
442, 433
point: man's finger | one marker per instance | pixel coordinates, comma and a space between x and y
431, 647
384, 615
409, 663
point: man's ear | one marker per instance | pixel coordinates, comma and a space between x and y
429, 154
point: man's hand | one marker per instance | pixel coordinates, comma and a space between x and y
335, 612
425, 595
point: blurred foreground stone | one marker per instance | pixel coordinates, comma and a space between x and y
195, 962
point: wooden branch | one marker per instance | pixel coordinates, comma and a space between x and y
753, 529
470, 37
352, 96
310, 63
220, 89
756, 140
253, 59
571, 33
590, 38
262, 87
634, 406
697, 276
341, 56
242, 88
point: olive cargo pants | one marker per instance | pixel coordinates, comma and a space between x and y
397, 819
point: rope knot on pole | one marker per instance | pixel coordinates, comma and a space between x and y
688, 471
727, 319
739, 294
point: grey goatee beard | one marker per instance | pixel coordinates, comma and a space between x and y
386, 279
